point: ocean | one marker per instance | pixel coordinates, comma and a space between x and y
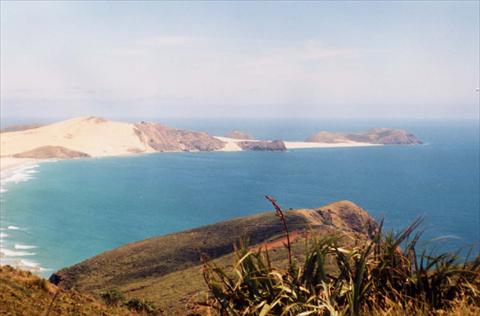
56, 214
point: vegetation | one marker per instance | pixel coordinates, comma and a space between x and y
166, 270
22, 293
384, 275
114, 297
334, 260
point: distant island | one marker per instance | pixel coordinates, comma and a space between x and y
383, 136
97, 137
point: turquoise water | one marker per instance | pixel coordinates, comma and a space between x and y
71, 210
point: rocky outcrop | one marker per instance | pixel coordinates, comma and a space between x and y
328, 137
384, 136
275, 145
164, 138
238, 135
48, 152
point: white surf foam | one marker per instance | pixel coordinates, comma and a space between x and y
17, 175
24, 247
13, 253
30, 264
16, 257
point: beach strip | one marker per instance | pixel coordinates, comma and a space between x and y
231, 144
305, 145
9, 164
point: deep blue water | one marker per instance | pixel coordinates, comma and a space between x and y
74, 209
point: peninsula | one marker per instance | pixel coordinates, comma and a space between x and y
97, 137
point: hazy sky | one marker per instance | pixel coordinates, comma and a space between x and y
265, 59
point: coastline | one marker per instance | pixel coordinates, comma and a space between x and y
18, 255
306, 145
231, 144
9, 164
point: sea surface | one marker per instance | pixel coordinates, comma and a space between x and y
55, 214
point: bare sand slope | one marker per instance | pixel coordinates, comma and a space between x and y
93, 136
96, 137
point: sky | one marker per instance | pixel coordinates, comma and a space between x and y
316, 60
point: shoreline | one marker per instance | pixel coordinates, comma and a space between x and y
232, 146
306, 145
18, 255
9, 164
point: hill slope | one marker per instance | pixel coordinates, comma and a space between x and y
22, 293
166, 270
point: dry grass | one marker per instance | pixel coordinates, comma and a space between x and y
22, 293
382, 276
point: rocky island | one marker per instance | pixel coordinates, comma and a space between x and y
383, 136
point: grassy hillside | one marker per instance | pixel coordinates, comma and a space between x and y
167, 269
342, 265
22, 293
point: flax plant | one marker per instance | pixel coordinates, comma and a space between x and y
385, 275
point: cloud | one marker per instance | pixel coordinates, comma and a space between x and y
162, 41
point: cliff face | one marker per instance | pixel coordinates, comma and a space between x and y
384, 136
166, 269
164, 138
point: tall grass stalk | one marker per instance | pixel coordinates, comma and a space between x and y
385, 275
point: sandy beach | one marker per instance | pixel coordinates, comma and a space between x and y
231, 144
8, 164
305, 145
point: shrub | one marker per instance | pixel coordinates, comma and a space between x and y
39, 283
385, 274
140, 305
113, 297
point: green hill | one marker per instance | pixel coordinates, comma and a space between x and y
167, 269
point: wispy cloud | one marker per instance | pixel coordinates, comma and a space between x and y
242, 55
162, 41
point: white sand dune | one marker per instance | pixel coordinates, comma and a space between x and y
231, 143
90, 135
